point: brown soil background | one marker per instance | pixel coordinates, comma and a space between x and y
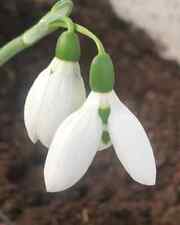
150, 87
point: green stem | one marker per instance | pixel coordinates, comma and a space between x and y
60, 10
83, 30
69, 23
39, 31
29, 38
11, 49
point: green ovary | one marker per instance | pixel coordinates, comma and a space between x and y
68, 47
102, 74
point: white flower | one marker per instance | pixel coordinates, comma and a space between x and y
56, 93
78, 138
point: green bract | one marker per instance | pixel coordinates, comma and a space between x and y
102, 74
68, 47
63, 7
60, 10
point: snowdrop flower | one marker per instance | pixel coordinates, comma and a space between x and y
101, 120
56, 93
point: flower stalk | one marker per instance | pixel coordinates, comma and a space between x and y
82, 30
40, 30
44, 27
11, 49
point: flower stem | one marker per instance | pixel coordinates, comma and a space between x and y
11, 49
29, 38
83, 30
69, 23
39, 31
60, 10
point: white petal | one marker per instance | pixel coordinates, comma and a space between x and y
103, 146
131, 143
74, 147
33, 103
64, 94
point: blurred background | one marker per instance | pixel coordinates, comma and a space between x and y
146, 82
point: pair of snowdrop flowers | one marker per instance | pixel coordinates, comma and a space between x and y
74, 128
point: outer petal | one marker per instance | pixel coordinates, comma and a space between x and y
104, 146
64, 94
33, 103
74, 147
131, 143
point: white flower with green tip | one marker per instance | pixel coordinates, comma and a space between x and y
102, 119
56, 93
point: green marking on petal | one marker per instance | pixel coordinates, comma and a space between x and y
105, 137
104, 114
